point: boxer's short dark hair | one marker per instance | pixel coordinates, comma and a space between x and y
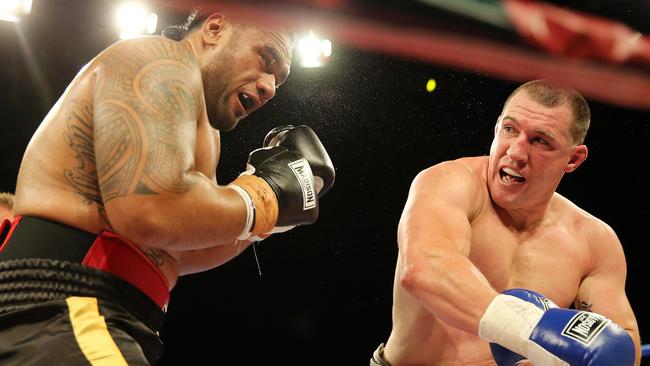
179, 31
549, 95
196, 18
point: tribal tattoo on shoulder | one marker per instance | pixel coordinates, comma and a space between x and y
139, 136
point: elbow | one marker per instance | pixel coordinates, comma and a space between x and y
412, 277
146, 232
141, 223
424, 277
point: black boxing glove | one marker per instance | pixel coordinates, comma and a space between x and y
278, 188
303, 139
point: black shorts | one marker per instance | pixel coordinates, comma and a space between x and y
75, 331
56, 310
41, 323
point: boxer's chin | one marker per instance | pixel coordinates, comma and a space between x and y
222, 120
228, 125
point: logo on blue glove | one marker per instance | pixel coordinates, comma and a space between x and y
584, 327
546, 303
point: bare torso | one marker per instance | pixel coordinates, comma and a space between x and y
552, 259
58, 176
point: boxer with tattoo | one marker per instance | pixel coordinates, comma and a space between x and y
117, 193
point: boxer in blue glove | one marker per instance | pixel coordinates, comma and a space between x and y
548, 335
477, 226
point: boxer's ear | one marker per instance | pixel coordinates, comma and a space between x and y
578, 155
496, 125
212, 28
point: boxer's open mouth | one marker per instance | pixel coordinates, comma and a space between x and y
510, 176
246, 101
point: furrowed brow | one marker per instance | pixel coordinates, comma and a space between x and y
510, 118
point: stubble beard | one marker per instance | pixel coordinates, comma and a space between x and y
215, 84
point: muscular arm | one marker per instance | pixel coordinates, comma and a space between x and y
434, 237
147, 100
603, 290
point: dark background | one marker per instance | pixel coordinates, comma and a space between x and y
325, 291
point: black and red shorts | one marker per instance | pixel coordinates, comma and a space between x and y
68, 297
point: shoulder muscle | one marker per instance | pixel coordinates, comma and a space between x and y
147, 98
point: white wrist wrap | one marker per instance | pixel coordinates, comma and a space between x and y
250, 211
509, 321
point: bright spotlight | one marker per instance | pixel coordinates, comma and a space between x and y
313, 51
431, 85
13, 10
134, 20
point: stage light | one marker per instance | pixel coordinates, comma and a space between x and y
431, 85
134, 20
313, 51
13, 10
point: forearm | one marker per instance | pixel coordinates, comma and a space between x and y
201, 260
627, 321
451, 288
634, 333
204, 216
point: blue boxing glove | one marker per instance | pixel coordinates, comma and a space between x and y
504, 356
555, 337
582, 338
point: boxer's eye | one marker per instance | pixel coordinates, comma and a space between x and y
273, 61
268, 60
539, 140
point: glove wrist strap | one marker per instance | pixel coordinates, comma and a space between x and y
509, 321
250, 212
264, 203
